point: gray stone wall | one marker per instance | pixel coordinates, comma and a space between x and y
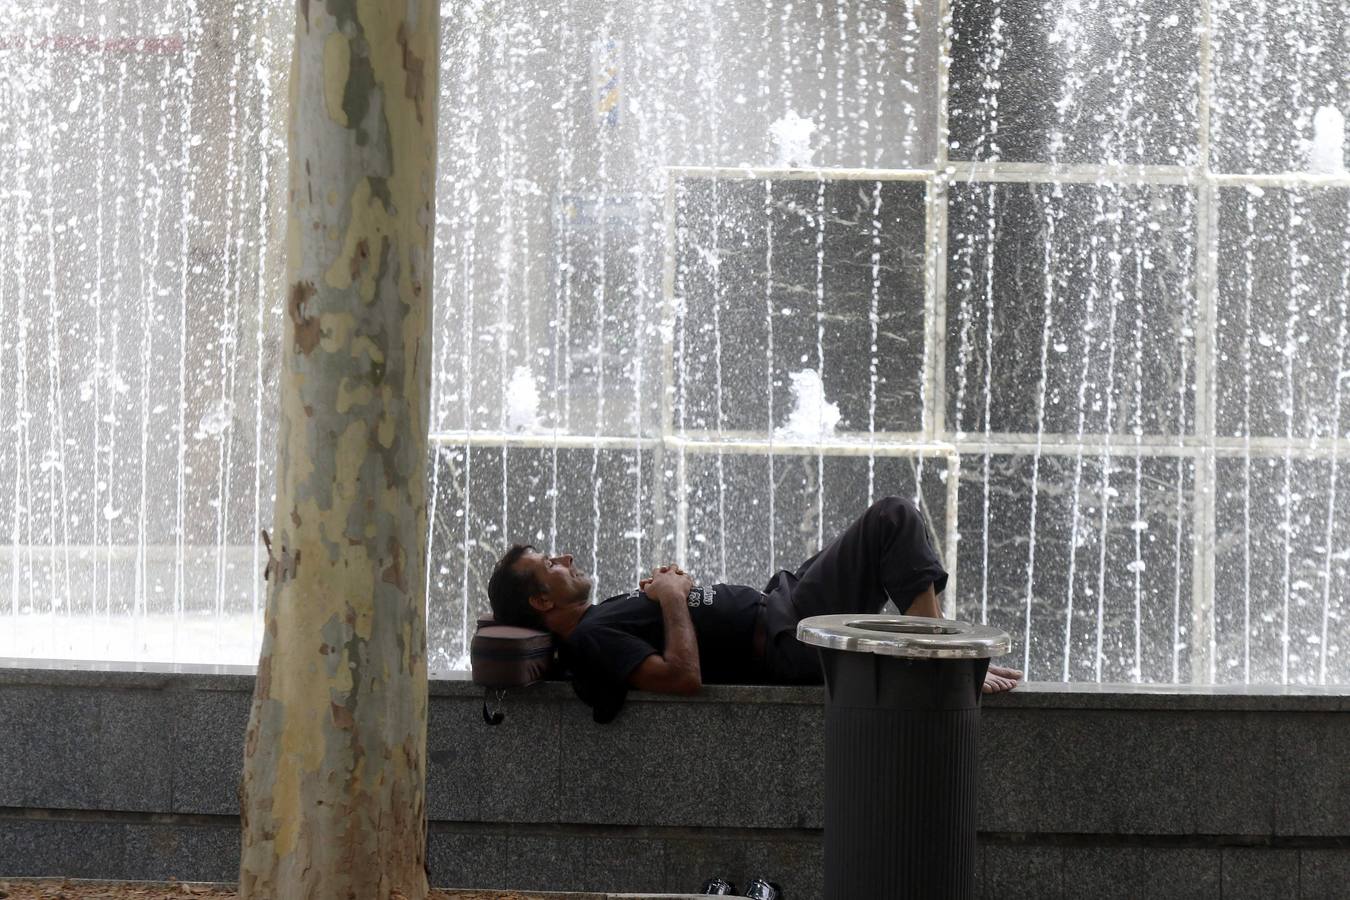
1092, 792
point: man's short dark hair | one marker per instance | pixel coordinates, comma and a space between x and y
509, 591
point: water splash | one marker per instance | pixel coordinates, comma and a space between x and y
791, 136
522, 401
812, 416
1326, 150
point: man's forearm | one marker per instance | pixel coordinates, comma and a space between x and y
681, 649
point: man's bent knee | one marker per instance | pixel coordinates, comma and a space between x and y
896, 508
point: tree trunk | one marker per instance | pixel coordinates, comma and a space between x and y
333, 793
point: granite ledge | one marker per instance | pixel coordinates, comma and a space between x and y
124, 675
1034, 695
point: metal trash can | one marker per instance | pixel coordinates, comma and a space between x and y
902, 729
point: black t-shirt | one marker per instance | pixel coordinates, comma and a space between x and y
614, 637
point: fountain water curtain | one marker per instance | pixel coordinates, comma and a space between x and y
1073, 276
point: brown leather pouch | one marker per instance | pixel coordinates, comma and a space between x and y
504, 657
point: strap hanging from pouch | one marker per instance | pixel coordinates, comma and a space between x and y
493, 701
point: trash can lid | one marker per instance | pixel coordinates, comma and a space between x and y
916, 637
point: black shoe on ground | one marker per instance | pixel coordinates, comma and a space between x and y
718, 886
759, 889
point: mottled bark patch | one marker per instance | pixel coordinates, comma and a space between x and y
360, 258
264, 683
356, 96
281, 564
379, 189
386, 270
336, 62
342, 717
393, 573
390, 458
344, 11
307, 330
414, 85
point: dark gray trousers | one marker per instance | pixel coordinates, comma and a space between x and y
884, 555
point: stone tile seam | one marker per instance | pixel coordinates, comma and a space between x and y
505, 829
1066, 840
1299, 869
1070, 840
624, 832
115, 817
177, 710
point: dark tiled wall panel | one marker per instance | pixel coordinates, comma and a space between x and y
1082, 796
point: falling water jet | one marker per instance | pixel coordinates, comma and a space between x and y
231, 278
1066, 101
768, 364
680, 351
1142, 262
820, 344
715, 262
1089, 311
6, 223
640, 338
264, 135
1139, 524
987, 455
1290, 348
1106, 489
99, 372
1125, 53
873, 320
505, 257
602, 176
55, 407
993, 152
110, 511
1187, 328
1297, 290
1341, 324
187, 173
562, 331
1048, 295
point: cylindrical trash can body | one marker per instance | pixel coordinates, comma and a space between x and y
902, 729
901, 775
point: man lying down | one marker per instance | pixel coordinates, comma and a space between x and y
672, 636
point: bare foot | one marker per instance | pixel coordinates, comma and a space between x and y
999, 679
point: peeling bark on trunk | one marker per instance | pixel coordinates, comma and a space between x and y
333, 793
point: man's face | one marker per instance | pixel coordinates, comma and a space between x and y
560, 581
